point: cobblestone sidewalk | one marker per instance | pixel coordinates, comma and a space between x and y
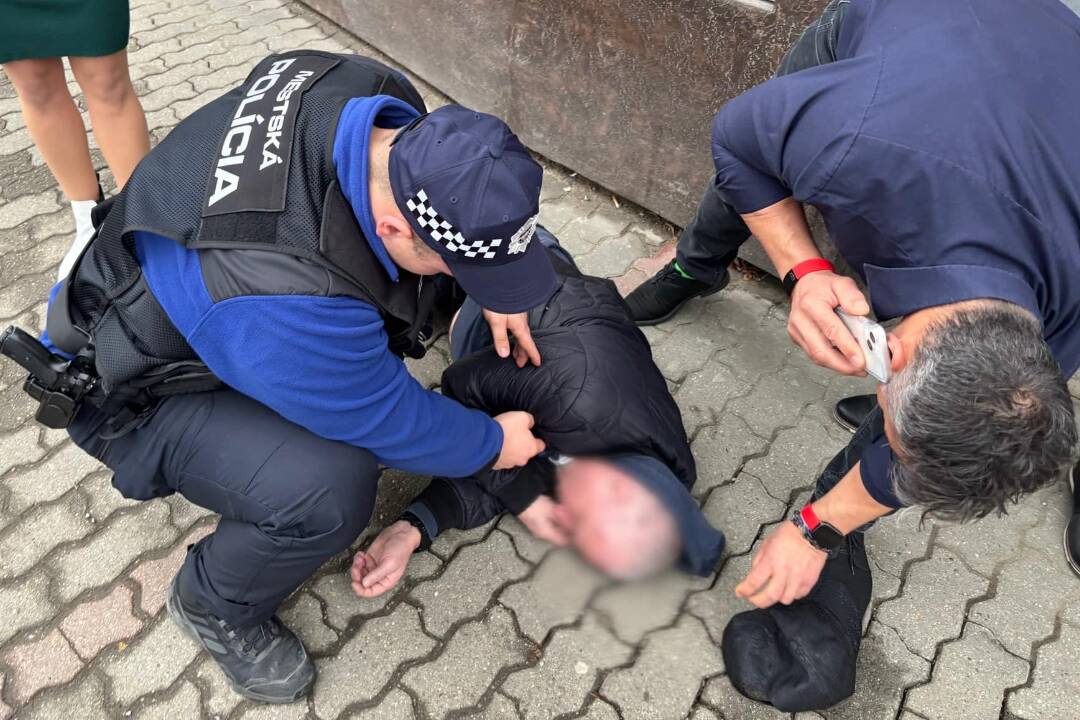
976, 622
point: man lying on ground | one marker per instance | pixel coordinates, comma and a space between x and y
615, 482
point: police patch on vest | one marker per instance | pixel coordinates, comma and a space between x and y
252, 168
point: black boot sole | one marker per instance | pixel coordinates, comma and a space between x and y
1068, 555
176, 612
675, 310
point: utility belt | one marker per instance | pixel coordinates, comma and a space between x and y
61, 386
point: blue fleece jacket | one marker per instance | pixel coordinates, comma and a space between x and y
324, 362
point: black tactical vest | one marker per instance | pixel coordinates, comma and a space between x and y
253, 172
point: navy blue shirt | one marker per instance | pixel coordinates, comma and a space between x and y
943, 151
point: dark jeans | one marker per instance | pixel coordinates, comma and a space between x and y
713, 238
288, 499
872, 427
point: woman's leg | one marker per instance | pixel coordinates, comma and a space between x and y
115, 112
55, 124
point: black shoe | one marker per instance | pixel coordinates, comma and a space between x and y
851, 411
1072, 529
267, 662
802, 656
660, 297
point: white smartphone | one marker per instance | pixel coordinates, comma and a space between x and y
871, 338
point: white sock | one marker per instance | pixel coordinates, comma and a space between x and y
84, 231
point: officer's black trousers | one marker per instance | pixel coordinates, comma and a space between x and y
712, 239
288, 499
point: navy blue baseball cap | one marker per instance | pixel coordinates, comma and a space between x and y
470, 190
702, 544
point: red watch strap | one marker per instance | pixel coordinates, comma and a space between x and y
801, 270
810, 518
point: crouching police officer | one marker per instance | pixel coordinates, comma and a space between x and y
246, 303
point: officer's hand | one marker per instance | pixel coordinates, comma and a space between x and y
518, 326
519, 444
382, 566
785, 568
815, 327
541, 518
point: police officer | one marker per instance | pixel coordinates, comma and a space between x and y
271, 253
938, 141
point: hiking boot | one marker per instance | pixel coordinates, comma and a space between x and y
803, 656
660, 297
266, 662
850, 412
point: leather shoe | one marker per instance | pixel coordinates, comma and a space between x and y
851, 411
1072, 529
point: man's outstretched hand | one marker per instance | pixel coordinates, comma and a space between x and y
519, 444
502, 326
542, 520
785, 568
382, 565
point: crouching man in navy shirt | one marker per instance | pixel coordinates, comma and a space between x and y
938, 141
277, 240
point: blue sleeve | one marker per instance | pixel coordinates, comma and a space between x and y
874, 466
323, 363
786, 137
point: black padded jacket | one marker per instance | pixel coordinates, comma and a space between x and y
597, 391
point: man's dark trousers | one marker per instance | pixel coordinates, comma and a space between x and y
288, 499
713, 238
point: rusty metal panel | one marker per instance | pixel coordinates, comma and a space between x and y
622, 91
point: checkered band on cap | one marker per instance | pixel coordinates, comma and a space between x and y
443, 231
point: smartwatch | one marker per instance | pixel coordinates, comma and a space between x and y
801, 270
819, 534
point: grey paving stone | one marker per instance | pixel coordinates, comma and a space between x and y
703, 394
613, 257
969, 679
83, 699
102, 558
500, 708
1026, 582
342, 604
984, 544
686, 351
19, 448
293, 711
151, 663
600, 710
395, 706
721, 449
567, 670
50, 479
795, 459
554, 595
304, 616
636, 608
667, 675
722, 695
1055, 682
38, 532
776, 400
459, 677
468, 582
219, 697
528, 545
703, 713
364, 664
931, 608
450, 540
24, 603
740, 508
183, 703
897, 540
717, 605
102, 499
885, 668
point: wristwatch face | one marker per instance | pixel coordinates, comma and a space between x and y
828, 537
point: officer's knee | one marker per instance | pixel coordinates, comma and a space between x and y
347, 482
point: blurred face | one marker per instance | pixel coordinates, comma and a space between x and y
615, 523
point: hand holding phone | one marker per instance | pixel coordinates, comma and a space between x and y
871, 338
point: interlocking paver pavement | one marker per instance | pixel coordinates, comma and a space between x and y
981, 621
